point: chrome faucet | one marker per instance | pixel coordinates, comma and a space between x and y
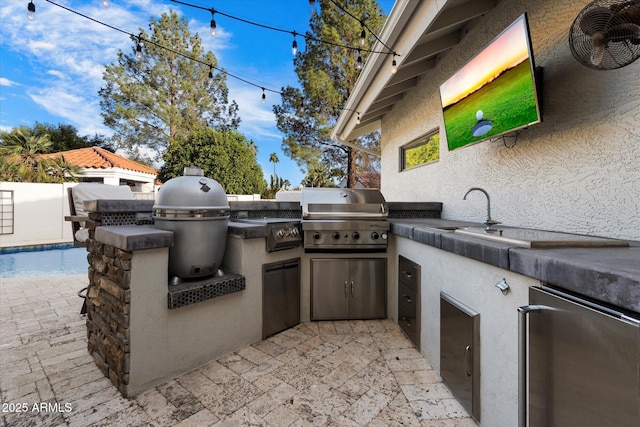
488, 222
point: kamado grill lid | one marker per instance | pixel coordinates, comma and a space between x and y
191, 195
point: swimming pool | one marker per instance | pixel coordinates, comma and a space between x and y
46, 262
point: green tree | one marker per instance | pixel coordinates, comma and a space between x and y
65, 137
318, 175
273, 157
23, 159
157, 100
327, 75
223, 155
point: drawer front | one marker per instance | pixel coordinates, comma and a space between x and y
407, 273
407, 299
408, 322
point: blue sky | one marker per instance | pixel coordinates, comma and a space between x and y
51, 67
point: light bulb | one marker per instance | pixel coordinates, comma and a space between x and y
213, 27
264, 97
394, 67
294, 47
358, 119
363, 37
210, 72
359, 62
31, 10
138, 51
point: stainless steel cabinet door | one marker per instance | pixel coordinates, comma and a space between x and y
460, 352
329, 289
280, 297
368, 288
584, 365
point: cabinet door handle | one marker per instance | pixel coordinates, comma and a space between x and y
406, 320
467, 360
523, 386
407, 298
345, 289
406, 273
352, 288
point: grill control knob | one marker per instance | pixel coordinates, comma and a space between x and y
280, 233
316, 236
294, 232
355, 235
336, 235
374, 235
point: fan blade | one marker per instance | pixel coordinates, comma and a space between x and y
595, 20
622, 32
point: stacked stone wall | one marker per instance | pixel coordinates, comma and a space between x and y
108, 309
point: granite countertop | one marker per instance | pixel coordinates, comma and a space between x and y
610, 275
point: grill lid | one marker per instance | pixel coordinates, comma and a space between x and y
343, 203
191, 196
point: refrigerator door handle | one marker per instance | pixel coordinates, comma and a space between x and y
522, 361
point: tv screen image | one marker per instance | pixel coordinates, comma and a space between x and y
495, 92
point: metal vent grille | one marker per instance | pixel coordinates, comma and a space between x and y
191, 293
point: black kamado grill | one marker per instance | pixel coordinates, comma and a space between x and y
195, 208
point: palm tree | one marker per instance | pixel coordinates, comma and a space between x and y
273, 157
23, 159
286, 184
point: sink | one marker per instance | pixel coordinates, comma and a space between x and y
530, 238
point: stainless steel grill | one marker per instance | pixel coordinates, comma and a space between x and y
335, 219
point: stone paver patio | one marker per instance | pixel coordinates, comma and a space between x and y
348, 373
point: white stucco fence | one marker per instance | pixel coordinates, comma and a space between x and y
38, 214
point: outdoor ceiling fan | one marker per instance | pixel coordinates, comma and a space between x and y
606, 34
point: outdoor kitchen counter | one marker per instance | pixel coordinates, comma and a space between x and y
610, 275
247, 231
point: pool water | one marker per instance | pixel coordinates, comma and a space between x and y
47, 262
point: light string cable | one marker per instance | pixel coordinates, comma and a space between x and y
141, 39
293, 33
364, 25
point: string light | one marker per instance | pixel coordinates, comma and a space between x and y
294, 33
139, 41
139, 47
294, 45
213, 23
31, 10
358, 118
394, 65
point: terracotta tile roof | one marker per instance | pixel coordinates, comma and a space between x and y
99, 158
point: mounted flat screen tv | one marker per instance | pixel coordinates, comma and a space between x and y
495, 92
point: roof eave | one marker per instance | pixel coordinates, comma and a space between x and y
402, 30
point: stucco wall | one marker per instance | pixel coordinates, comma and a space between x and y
38, 215
578, 171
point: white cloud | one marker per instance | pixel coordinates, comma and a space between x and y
56, 73
60, 101
6, 82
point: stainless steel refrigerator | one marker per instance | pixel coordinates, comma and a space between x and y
582, 361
